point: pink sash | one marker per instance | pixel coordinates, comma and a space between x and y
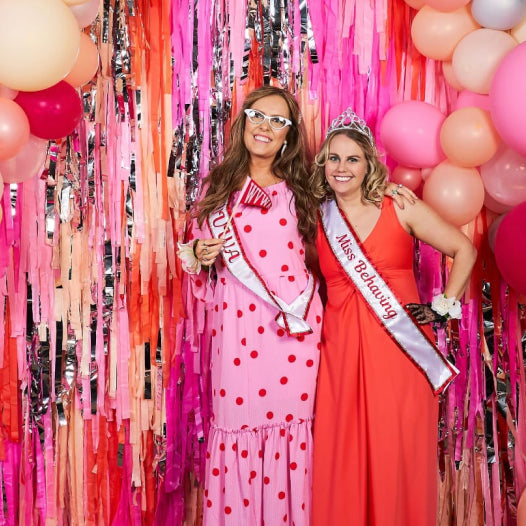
382, 301
291, 317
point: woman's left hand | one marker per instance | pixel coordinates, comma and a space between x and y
401, 194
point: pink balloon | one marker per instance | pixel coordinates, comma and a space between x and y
53, 112
410, 177
456, 193
510, 248
467, 99
28, 163
494, 205
425, 173
447, 5
14, 128
86, 13
508, 110
504, 177
410, 134
415, 4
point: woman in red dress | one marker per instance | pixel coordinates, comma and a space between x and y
375, 433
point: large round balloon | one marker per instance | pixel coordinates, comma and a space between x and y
27, 164
436, 33
54, 112
39, 43
86, 65
504, 176
503, 14
468, 137
477, 56
456, 193
510, 248
410, 134
447, 5
508, 110
14, 128
86, 13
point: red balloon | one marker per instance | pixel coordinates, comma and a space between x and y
53, 112
510, 248
410, 177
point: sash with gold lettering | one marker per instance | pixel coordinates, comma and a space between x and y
376, 292
290, 317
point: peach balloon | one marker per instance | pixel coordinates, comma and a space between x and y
425, 173
86, 65
519, 31
456, 193
415, 4
39, 43
410, 177
436, 33
478, 55
14, 128
449, 75
447, 5
468, 137
75, 2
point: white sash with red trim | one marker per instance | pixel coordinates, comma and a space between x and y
383, 302
291, 317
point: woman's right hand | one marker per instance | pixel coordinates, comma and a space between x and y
207, 250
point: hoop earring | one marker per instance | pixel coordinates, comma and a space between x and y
283, 148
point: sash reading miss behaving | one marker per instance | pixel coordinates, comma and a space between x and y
383, 302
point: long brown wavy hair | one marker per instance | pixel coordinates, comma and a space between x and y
292, 166
375, 180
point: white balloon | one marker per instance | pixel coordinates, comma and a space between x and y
501, 14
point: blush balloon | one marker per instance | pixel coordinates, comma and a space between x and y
27, 164
447, 5
410, 177
86, 13
86, 65
468, 99
495, 206
449, 75
456, 193
54, 112
14, 128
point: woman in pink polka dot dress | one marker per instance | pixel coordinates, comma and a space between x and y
263, 363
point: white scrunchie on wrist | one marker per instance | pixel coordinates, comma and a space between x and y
447, 307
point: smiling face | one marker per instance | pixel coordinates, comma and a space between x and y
261, 140
346, 166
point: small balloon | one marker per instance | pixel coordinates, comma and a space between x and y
7, 93
415, 4
53, 113
510, 249
495, 206
492, 231
27, 164
86, 13
519, 31
504, 176
436, 33
456, 193
468, 137
503, 14
449, 75
14, 128
410, 177
86, 65
410, 134
477, 56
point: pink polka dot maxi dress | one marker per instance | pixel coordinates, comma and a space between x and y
259, 455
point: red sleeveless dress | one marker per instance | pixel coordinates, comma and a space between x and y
375, 432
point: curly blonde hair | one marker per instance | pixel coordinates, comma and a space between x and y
292, 165
375, 180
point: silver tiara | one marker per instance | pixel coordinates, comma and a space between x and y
348, 120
